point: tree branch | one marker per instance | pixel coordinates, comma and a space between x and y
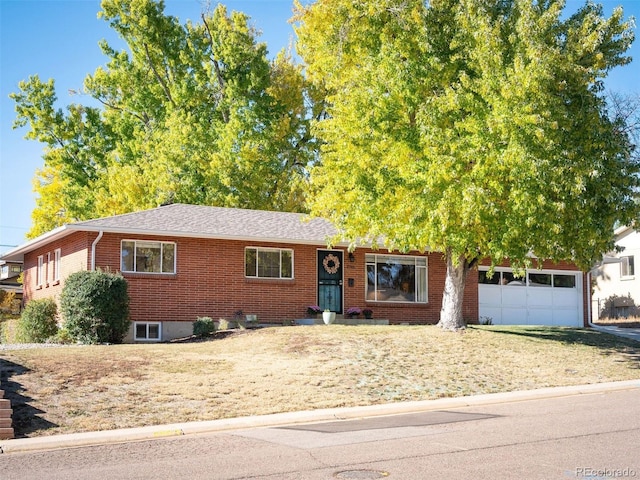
216, 66
157, 75
144, 120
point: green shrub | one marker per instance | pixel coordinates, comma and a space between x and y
7, 301
225, 324
203, 326
95, 307
38, 321
9, 328
63, 337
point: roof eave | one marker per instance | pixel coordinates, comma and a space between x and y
177, 233
17, 254
622, 231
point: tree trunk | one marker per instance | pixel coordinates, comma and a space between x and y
453, 296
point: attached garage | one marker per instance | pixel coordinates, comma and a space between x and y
541, 297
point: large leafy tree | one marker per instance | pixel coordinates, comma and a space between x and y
192, 113
476, 128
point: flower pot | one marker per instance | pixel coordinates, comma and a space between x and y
328, 317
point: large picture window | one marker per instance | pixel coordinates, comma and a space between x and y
396, 278
268, 262
148, 257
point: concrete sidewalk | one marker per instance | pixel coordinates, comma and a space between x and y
296, 418
631, 333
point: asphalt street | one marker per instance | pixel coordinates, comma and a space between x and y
577, 435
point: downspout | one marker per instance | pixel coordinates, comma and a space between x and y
589, 300
93, 250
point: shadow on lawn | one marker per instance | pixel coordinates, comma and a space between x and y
26, 418
608, 344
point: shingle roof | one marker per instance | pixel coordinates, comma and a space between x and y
198, 221
204, 221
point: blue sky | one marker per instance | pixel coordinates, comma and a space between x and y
59, 39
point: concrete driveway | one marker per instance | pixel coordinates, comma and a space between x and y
632, 333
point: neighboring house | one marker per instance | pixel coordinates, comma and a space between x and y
185, 261
9, 282
616, 282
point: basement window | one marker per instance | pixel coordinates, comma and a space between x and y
147, 331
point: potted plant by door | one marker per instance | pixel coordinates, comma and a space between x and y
328, 317
353, 312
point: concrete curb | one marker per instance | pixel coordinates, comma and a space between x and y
279, 419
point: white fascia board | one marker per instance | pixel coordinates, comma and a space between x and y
607, 260
17, 254
622, 231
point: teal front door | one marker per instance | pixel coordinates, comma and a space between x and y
330, 280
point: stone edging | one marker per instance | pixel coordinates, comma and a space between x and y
6, 430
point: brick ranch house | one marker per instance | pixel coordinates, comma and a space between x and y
186, 261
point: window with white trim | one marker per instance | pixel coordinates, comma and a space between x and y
394, 278
533, 279
148, 331
40, 271
627, 267
56, 265
144, 256
268, 262
49, 268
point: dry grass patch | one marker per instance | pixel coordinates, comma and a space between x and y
631, 322
74, 389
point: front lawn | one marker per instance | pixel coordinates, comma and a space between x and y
84, 388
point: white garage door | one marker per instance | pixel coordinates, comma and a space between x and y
542, 297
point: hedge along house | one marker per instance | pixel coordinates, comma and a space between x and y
186, 261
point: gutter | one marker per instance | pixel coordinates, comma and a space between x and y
589, 301
93, 250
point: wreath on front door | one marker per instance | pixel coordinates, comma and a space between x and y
331, 264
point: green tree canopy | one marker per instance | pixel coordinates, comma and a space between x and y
192, 113
477, 128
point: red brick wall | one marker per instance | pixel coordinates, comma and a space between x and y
210, 281
75, 251
407, 312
